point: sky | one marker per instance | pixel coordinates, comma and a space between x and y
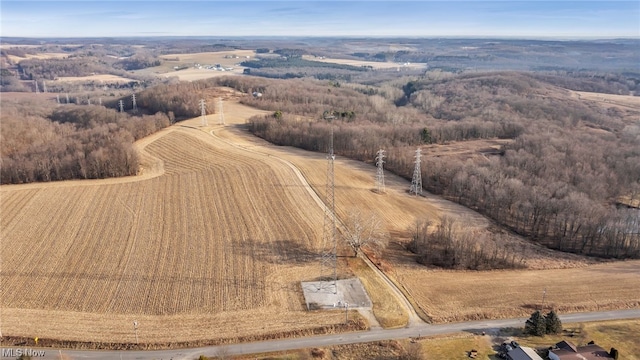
474, 18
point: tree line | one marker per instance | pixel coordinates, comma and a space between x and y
71, 142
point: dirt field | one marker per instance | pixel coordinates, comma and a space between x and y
373, 64
210, 246
103, 78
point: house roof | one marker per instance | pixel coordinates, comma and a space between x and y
588, 352
523, 353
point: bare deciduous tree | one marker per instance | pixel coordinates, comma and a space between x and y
364, 230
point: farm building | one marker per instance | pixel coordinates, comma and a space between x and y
523, 353
565, 350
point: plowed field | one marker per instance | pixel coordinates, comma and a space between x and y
221, 235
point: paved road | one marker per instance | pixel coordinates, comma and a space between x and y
329, 340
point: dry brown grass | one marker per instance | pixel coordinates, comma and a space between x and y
39, 56
102, 78
373, 64
211, 247
469, 295
620, 334
386, 308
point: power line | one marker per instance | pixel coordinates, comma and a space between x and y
416, 181
221, 111
380, 173
133, 101
203, 109
329, 239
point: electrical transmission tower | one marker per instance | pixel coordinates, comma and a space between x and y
36, 82
380, 174
121, 104
203, 109
67, 94
221, 111
416, 181
133, 101
329, 239
58, 98
89, 101
44, 86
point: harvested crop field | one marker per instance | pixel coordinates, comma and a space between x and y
213, 246
102, 78
373, 64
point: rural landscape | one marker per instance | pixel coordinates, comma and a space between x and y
174, 193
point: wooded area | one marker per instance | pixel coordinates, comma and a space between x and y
41, 143
556, 183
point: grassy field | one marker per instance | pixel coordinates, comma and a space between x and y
386, 308
470, 295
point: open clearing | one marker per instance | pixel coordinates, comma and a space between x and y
214, 247
102, 78
226, 59
40, 56
373, 64
473, 295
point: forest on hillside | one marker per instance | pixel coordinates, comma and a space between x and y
556, 182
44, 143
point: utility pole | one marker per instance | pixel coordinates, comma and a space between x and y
544, 293
135, 329
416, 181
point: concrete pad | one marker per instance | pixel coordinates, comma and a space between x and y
327, 295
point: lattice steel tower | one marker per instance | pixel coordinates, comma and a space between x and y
329, 269
416, 181
133, 102
203, 109
221, 112
380, 174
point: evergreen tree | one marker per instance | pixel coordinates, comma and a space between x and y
536, 325
553, 323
